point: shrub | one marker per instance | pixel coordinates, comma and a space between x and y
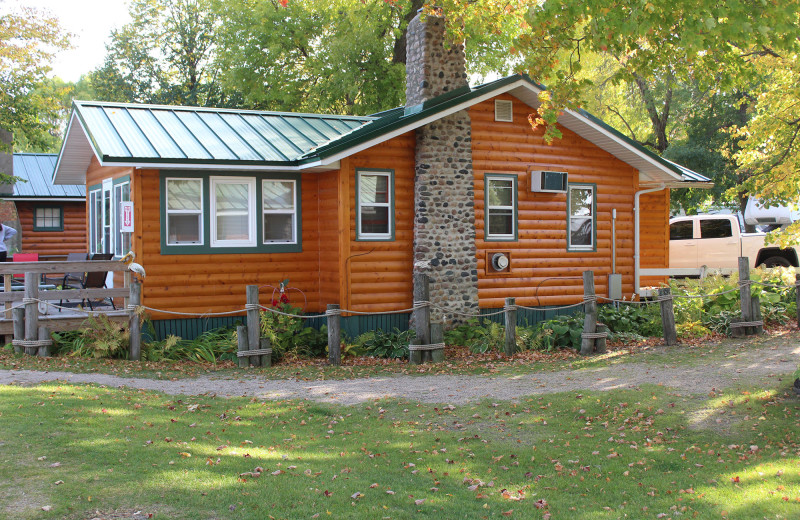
98, 337
479, 336
563, 332
289, 334
210, 347
382, 344
642, 320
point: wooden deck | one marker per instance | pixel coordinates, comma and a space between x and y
65, 319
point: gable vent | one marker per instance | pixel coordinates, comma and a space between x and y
503, 110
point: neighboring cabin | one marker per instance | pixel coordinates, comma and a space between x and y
348, 208
50, 219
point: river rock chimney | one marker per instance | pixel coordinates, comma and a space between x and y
444, 196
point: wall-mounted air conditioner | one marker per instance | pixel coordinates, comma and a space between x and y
548, 181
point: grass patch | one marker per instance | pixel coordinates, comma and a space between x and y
640, 453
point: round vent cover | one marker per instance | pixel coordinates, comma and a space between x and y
499, 261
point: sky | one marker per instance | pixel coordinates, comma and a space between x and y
90, 21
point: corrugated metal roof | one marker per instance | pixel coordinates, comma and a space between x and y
124, 133
37, 169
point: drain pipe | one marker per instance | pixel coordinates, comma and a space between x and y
636, 240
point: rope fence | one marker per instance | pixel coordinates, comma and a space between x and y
417, 305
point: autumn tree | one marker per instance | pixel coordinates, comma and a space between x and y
164, 55
29, 103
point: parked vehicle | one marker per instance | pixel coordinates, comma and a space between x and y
718, 241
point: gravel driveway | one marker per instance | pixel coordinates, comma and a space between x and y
777, 359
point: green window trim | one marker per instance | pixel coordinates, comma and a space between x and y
509, 237
205, 246
60, 224
582, 248
389, 236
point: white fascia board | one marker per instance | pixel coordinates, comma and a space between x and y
46, 199
422, 122
597, 128
314, 166
69, 137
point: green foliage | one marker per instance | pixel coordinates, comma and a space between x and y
29, 40
289, 334
393, 345
563, 332
479, 335
210, 347
98, 337
642, 320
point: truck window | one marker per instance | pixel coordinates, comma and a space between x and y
716, 228
681, 230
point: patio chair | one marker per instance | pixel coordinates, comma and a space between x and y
19, 278
91, 280
69, 277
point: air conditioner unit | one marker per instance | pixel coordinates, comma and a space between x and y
548, 182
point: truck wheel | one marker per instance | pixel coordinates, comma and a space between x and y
776, 261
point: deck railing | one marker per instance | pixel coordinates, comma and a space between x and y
31, 296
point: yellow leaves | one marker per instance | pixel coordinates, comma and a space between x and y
185, 454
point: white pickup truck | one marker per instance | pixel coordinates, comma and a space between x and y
717, 241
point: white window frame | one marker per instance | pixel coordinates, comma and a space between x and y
293, 213
570, 215
489, 178
201, 231
251, 211
93, 228
389, 204
119, 235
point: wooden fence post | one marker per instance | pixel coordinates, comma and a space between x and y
334, 337
668, 316
19, 326
422, 314
241, 341
134, 321
31, 311
744, 292
511, 326
797, 295
590, 308
253, 325
437, 336
44, 335
266, 359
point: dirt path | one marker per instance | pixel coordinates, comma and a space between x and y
776, 359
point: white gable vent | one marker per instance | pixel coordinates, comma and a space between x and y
503, 110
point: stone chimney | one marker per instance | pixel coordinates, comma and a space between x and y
432, 70
444, 196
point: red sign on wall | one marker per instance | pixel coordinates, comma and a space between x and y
126, 225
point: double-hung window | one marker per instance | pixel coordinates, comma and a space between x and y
279, 206
48, 218
501, 207
233, 210
375, 205
184, 204
581, 218
207, 214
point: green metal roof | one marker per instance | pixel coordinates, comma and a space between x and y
121, 133
124, 133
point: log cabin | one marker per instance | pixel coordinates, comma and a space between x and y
455, 184
50, 219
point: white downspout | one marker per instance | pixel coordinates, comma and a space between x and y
636, 241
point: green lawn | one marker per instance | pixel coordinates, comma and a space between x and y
646, 453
